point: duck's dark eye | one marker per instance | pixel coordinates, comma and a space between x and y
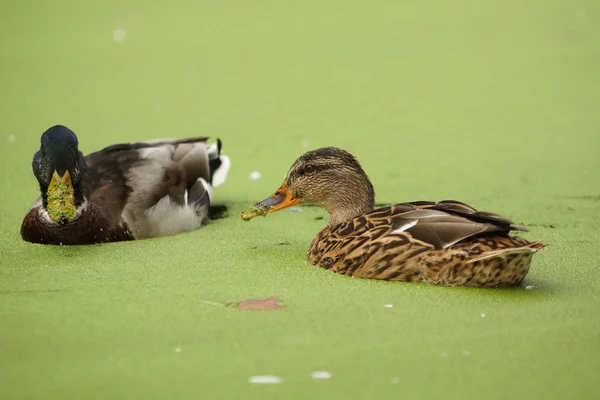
308, 169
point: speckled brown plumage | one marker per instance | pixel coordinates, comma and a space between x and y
367, 247
445, 243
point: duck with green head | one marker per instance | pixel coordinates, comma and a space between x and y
59, 167
444, 243
122, 192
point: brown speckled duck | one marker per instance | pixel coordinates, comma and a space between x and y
444, 243
122, 192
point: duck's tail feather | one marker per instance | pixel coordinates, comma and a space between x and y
201, 160
199, 196
219, 164
503, 253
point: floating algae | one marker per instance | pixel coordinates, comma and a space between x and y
61, 203
252, 212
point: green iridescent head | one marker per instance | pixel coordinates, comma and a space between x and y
59, 167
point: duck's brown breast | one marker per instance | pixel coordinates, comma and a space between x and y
89, 228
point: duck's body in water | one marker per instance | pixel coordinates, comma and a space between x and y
123, 192
444, 243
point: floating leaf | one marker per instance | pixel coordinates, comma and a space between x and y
269, 303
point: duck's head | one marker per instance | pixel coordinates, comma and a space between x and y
59, 167
328, 177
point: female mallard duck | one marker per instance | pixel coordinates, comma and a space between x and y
447, 243
123, 192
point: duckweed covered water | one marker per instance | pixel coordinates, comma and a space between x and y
493, 104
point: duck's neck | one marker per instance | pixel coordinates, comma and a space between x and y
340, 216
350, 204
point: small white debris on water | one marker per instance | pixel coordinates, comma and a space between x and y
529, 287
388, 305
395, 381
295, 209
255, 175
119, 34
466, 352
178, 349
265, 379
321, 375
12, 138
482, 315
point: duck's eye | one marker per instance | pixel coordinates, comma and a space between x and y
309, 169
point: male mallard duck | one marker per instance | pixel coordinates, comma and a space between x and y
123, 192
445, 243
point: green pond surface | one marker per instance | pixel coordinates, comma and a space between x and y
493, 103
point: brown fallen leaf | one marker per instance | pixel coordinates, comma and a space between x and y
259, 304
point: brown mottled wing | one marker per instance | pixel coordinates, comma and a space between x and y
448, 222
384, 242
366, 247
462, 209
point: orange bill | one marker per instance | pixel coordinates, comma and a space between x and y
282, 198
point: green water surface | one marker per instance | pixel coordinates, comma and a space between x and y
494, 103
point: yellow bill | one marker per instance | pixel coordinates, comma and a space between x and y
61, 199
